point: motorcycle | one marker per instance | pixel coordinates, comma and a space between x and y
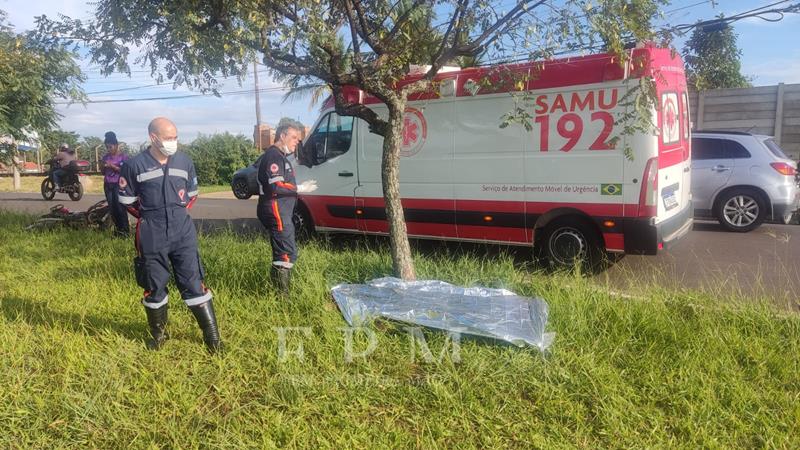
70, 181
97, 216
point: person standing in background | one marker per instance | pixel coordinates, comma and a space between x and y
110, 165
276, 202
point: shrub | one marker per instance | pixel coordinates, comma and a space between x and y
217, 157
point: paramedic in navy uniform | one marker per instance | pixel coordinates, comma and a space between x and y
276, 202
159, 186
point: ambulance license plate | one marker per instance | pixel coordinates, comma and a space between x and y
669, 197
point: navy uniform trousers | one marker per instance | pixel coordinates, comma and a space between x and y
276, 216
162, 245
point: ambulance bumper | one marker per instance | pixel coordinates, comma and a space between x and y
643, 237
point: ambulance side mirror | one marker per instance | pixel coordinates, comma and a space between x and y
303, 156
319, 151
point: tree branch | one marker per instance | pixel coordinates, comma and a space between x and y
344, 108
400, 22
477, 43
357, 63
441, 55
366, 33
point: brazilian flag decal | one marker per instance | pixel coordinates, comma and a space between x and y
611, 189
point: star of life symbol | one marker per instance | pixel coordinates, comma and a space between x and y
669, 126
415, 132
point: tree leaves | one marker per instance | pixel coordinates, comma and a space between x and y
712, 60
34, 70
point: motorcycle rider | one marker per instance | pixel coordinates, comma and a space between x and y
63, 158
159, 186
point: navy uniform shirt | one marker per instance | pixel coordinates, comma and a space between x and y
275, 175
163, 192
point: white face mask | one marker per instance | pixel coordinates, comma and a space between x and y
169, 147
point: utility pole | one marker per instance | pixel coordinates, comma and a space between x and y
97, 158
258, 106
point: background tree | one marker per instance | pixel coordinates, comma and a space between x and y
366, 44
33, 73
93, 147
51, 140
217, 157
713, 59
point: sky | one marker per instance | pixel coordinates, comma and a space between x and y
770, 55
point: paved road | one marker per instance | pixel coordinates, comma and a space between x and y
765, 262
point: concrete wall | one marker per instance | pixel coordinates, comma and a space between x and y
770, 110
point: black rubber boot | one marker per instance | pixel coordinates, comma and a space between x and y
207, 320
281, 279
157, 320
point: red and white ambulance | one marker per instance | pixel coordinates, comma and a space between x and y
560, 186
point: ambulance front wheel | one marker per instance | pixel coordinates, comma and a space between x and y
303, 226
569, 244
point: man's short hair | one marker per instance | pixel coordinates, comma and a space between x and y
282, 129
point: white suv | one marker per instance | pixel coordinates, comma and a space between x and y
741, 178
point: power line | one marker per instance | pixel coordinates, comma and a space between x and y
175, 97
756, 12
673, 11
127, 88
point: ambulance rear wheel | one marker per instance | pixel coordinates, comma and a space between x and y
569, 244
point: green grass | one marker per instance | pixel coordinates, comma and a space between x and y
214, 188
674, 370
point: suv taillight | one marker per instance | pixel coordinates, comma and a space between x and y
783, 168
648, 196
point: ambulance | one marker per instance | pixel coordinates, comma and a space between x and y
564, 184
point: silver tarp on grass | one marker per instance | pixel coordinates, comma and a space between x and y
478, 311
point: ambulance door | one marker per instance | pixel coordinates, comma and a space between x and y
370, 212
426, 172
329, 157
489, 176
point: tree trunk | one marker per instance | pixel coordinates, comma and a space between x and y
17, 180
402, 263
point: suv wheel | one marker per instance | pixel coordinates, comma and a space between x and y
240, 189
741, 210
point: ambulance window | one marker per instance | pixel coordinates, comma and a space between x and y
330, 139
340, 133
314, 148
